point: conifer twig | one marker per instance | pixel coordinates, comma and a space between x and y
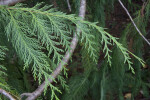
40, 89
5, 93
134, 22
10, 2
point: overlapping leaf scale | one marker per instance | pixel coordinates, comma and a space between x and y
45, 34
59, 28
57, 22
87, 38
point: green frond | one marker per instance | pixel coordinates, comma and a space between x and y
63, 82
56, 27
27, 47
55, 17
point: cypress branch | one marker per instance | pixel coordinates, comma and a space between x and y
65, 60
31, 30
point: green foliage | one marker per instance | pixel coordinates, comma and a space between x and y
78, 88
112, 83
41, 35
99, 8
2, 68
3, 76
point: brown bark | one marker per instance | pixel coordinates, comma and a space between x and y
6, 94
10, 2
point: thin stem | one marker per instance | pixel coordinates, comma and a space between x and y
134, 22
69, 6
6, 94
